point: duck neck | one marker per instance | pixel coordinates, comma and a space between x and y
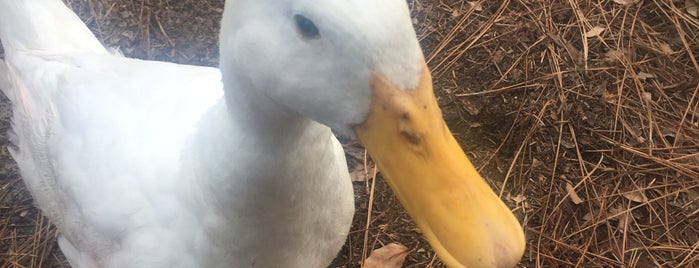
267, 173
248, 143
258, 114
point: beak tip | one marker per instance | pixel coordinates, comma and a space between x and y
509, 255
509, 246
501, 245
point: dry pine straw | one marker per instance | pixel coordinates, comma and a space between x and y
582, 114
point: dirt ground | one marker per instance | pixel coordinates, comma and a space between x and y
583, 115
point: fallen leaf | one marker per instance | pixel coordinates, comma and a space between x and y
623, 222
359, 174
665, 48
354, 151
643, 76
692, 7
622, 215
615, 212
595, 31
588, 217
389, 256
636, 196
554, 116
573, 195
626, 2
613, 56
498, 56
610, 97
473, 108
567, 144
476, 5
518, 199
536, 163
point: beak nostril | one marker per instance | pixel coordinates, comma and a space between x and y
411, 137
406, 132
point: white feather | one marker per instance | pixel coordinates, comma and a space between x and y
146, 164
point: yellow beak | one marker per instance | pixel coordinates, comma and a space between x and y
456, 210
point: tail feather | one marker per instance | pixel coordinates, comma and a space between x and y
44, 25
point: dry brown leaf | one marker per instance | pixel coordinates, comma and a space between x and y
518, 198
595, 31
536, 163
498, 56
636, 196
588, 217
573, 195
613, 56
388, 256
567, 144
476, 5
622, 215
692, 7
359, 174
643, 76
665, 48
623, 222
615, 212
472, 107
354, 151
626, 2
610, 97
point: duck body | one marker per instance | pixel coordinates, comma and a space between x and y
152, 164
145, 164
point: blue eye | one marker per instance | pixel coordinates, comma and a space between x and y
306, 27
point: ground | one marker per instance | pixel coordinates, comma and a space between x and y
582, 115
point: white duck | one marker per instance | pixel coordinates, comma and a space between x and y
150, 164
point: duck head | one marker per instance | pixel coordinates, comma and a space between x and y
356, 66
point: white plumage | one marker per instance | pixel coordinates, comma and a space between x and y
144, 164
153, 164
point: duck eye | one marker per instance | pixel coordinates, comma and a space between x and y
306, 27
